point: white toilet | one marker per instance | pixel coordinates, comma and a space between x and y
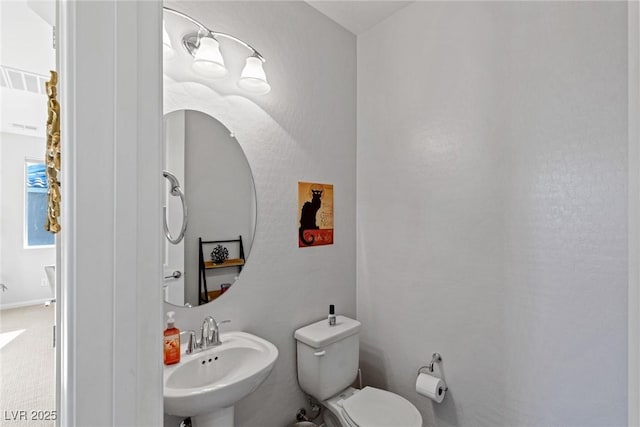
328, 365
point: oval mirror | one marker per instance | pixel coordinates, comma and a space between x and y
220, 200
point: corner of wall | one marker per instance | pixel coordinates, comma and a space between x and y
634, 213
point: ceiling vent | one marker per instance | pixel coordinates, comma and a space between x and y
22, 80
23, 102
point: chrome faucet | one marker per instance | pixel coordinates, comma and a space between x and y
207, 325
209, 335
213, 337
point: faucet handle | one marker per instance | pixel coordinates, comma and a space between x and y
193, 340
216, 332
221, 322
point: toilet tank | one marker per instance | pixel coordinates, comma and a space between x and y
328, 356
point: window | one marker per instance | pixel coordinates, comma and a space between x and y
36, 206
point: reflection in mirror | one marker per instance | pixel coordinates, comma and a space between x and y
221, 201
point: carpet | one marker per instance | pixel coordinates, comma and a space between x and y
27, 366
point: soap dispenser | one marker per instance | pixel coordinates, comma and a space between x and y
171, 341
332, 315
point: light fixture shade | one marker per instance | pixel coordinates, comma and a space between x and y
253, 79
167, 48
208, 60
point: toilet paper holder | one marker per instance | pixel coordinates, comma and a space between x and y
436, 358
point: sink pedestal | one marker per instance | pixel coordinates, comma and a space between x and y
218, 418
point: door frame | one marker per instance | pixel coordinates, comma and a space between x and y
109, 364
634, 212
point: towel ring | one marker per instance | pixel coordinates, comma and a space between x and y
175, 191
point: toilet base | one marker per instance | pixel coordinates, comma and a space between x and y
330, 420
223, 417
333, 408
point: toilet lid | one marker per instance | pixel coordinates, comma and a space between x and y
372, 407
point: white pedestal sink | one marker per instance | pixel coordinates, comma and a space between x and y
206, 385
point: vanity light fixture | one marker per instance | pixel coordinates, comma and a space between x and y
208, 61
253, 79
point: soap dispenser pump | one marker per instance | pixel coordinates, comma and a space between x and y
332, 315
171, 341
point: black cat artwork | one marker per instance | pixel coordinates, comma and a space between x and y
308, 216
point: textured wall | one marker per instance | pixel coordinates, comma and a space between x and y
492, 150
304, 130
22, 270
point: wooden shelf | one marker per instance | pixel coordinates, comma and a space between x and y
234, 262
205, 294
212, 295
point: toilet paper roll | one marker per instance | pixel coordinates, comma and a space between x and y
431, 387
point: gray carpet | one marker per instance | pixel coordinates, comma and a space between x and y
27, 365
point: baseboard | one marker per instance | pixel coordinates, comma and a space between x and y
20, 304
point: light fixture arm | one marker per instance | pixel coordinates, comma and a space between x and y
247, 45
216, 33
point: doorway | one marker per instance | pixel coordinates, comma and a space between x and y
27, 250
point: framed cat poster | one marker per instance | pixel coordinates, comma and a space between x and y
315, 211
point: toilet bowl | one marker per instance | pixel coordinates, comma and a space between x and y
327, 366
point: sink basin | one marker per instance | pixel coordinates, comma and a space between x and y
217, 377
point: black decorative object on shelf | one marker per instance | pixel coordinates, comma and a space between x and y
238, 263
219, 254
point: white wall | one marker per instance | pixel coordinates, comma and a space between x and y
634, 211
492, 209
34, 51
303, 130
22, 270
